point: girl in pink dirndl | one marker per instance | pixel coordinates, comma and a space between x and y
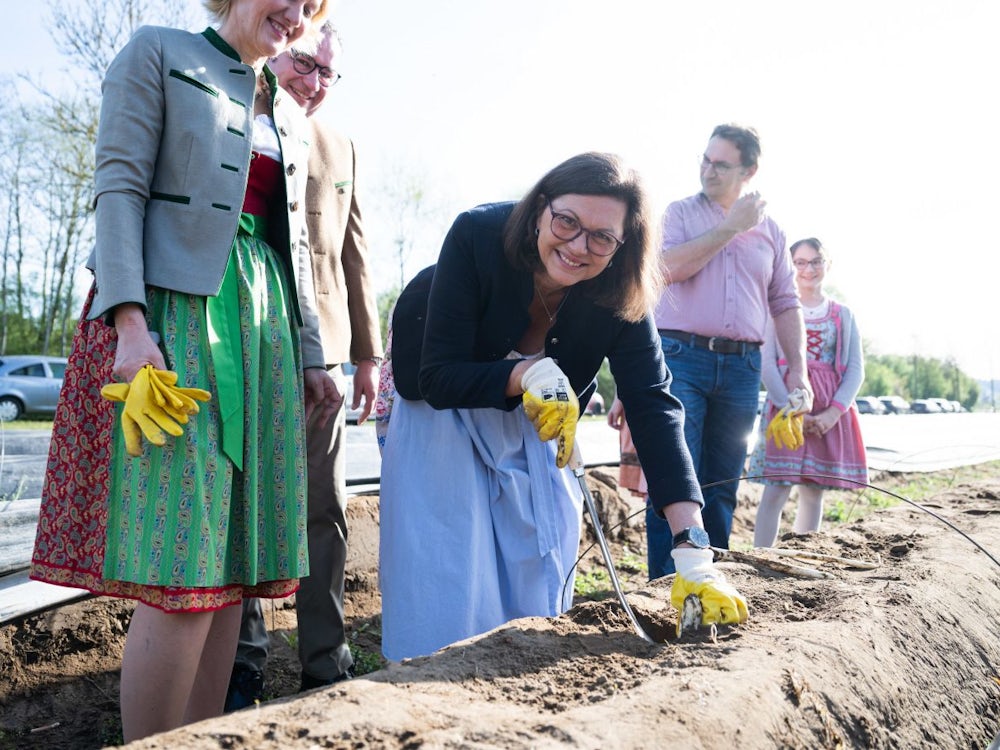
833, 453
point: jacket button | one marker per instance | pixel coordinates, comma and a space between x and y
553, 341
293, 206
290, 170
282, 130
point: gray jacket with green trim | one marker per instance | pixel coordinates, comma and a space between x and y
173, 156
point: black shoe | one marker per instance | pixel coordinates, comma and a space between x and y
309, 682
246, 688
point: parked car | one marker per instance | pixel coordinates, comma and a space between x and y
925, 406
595, 405
895, 404
956, 406
869, 405
943, 404
29, 384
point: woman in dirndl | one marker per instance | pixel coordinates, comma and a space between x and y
199, 271
832, 454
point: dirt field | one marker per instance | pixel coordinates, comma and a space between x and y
904, 656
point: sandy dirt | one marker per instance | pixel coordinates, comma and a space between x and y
903, 656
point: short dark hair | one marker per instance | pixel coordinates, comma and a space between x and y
745, 139
631, 284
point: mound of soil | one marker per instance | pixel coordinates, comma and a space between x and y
905, 655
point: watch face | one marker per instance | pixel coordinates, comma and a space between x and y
695, 536
699, 537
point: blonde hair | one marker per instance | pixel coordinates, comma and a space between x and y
219, 9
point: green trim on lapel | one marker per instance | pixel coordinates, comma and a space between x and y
272, 80
194, 82
220, 44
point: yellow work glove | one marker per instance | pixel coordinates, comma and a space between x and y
721, 602
785, 429
177, 402
148, 410
551, 405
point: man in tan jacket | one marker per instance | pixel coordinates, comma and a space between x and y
349, 324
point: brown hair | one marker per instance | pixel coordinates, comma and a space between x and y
631, 284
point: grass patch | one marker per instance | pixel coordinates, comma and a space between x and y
365, 662
27, 424
843, 506
592, 585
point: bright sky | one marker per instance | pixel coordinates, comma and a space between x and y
870, 115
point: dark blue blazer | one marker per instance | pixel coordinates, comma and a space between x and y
456, 322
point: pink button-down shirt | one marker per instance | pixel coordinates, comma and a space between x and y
732, 295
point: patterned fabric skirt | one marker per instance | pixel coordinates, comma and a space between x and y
836, 459
180, 527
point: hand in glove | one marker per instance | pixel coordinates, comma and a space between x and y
785, 428
721, 603
551, 405
153, 405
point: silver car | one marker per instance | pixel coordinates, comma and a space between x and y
29, 384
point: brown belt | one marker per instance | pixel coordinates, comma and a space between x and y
717, 344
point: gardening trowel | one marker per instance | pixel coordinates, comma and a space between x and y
576, 465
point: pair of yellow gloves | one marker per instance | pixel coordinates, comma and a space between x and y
154, 404
553, 408
785, 428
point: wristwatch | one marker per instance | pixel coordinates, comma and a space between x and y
696, 536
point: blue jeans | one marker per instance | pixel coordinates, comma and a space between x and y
719, 394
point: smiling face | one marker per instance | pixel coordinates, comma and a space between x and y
722, 173
569, 262
306, 88
258, 29
810, 270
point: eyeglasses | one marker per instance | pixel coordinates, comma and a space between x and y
815, 263
721, 167
304, 65
567, 228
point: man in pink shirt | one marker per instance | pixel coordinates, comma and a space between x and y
727, 270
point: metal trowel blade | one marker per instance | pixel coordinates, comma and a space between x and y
689, 618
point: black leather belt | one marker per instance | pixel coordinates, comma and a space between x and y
716, 344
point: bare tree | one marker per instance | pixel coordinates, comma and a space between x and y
415, 212
89, 33
47, 199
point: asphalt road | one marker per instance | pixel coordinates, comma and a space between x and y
905, 442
